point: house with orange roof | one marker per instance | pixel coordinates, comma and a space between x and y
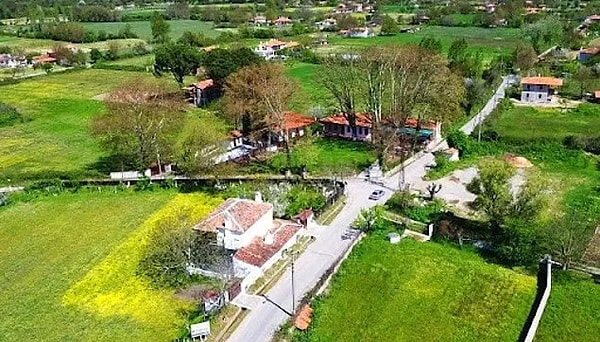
295, 125
339, 127
248, 229
585, 55
201, 93
539, 89
269, 49
282, 21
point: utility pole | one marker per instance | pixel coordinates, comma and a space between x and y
293, 292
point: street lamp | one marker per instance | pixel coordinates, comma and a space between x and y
292, 254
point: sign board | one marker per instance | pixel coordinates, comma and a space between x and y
201, 330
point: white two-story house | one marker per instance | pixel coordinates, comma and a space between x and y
268, 50
539, 89
248, 228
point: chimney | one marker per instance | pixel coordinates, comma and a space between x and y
258, 197
268, 239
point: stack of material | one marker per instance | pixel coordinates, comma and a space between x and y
516, 161
303, 318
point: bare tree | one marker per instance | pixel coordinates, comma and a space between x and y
342, 76
142, 121
262, 91
433, 189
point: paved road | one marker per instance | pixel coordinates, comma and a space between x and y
261, 322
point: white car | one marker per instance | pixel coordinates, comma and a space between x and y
377, 194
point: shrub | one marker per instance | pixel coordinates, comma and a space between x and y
9, 115
459, 140
301, 198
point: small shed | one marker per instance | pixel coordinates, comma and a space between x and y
200, 330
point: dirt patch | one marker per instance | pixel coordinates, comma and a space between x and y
101, 97
517, 161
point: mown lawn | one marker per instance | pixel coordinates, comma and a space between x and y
536, 123
327, 157
145, 60
68, 273
142, 28
421, 292
573, 311
491, 42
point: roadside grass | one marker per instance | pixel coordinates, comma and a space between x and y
420, 291
491, 42
572, 313
326, 157
332, 212
52, 242
56, 137
142, 28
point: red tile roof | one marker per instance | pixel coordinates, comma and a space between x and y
594, 17
44, 59
550, 81
242, 214
590, 51
293, 120
205, 84
257, 253
413, 123
362, 120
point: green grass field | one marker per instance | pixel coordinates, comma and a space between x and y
310, 93
146, 60
142, 28
421, 292
54, 241
535, 123
69, 271
491, 42
56, 136
327, 157
573, 311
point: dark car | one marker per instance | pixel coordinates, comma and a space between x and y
377, 194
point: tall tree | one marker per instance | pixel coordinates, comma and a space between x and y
198, 147
263, 91
220, 63
141, 122
160, 28
388, 25
524, 57
343, 78
177, 58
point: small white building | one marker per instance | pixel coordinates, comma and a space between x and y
326, 24
259, 20
10, 61
358, 32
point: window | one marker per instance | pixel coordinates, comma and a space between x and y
359, 130
539, 96
347, 129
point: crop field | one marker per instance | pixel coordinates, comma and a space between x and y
492, 42
43, 45
142, 28
564, 321
68, 273
421, 292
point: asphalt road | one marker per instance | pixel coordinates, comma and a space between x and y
261, 322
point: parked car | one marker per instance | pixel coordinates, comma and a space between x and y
377, 194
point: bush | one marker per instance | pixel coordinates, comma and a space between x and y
301, 198
9, 115
460, 141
